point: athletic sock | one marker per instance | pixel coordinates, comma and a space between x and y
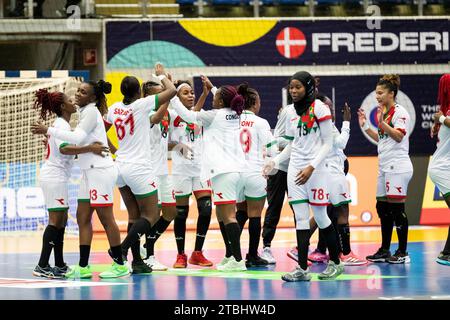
116, 253
203, 221
254, 228
59, 248
401, 224
322, 244
141, 227
48, 242
180, 227
387, 223
85, 251
223, 231
332, 243
135, 247
344, 238
303, 246
157, 230
234, 234
241, 217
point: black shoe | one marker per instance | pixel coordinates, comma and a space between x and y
399, 258
140, 267
380, 256
60, 272
255, 261
443, 259
46, 272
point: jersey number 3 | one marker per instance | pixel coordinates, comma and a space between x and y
120, 126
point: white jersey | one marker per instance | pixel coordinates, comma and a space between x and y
57, 165
254, 136
441, 157
222, 151
337, 156
392, 155
159, 143
90, 129
190, 134
133, 129
305, 132
280, 132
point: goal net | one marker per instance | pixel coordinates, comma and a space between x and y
22, 206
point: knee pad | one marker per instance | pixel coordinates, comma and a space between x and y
321, 216
301, 211
383, 209
182, 212
204, 206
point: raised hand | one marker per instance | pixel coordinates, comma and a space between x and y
346, 112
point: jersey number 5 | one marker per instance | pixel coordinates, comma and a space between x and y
120, 126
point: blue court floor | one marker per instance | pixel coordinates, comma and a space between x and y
422, 279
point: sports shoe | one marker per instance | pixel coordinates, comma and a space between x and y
332, 271
199, 259
319, 257
399, 258
224, 261
255, 261
115, 271
77, 272
267, 255
293, 254
155, 264
46, 272
60, 272
443, 259
234, 266
352, 259
143, 251
181, 261
298, 274
140, 267
380, 256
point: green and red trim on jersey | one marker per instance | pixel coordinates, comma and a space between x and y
225, 202
100, 205
342, 203
197, 191
395, 197
146, 195
168, 204
57, 209
319, 204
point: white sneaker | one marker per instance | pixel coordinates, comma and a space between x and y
143, 251
266, 254
234, 266
155, 264
224, 261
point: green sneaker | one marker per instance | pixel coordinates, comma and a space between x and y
332, 271
77, 272
115, 271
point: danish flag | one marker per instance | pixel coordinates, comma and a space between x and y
291, 43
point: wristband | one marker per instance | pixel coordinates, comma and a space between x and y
161, 77
366, 126
442, 119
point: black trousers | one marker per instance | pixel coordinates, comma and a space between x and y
276, 190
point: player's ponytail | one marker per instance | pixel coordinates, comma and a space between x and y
48, 103
130, 89
101, 88
249, 94
444, 93
391, 82
232, 99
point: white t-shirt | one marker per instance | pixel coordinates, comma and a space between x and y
254, 136
222, 151
191, 135
441, 157
305, 132
90, 129
392, 155
57, 166
337, 156
133, 129
159, 143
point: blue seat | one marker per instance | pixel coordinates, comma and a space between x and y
187, 2
292, 2
226, 2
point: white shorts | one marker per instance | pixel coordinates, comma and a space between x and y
138, 177
315, 191
441, 179
254, 186
393, 185
185, 186
56, 195
97, 186
226, 187
339, 189
166, 192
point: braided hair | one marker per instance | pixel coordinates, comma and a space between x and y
232, 99
48, 103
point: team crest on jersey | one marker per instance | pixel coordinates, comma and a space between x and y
164, 124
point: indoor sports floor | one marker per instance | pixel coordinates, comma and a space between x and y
422, 279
